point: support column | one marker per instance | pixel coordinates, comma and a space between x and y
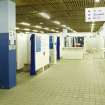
7, 44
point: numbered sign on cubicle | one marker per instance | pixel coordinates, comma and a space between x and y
38, 43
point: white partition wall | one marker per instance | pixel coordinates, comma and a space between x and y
102, 34
23, 49
42, 56
95, 44
20, 50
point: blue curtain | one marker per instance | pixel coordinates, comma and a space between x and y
58, 48
32, 68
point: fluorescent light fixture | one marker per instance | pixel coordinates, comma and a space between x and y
92, 27
57, 28
41, 23
63, 26
26, 29
27, 32
44, 15
73, 31
57, 22
97, 1
17, 28
24, 23
37, 26
41, 31
46, 28
35, 30
57, 31
69, 28
52, 30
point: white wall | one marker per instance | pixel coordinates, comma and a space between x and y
95, 45
89, 43
96, 42
102, 32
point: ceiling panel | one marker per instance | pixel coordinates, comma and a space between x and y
69, 12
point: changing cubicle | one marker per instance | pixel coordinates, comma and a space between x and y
33, 51
55, 47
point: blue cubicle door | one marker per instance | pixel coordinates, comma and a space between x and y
58, 48
33, 51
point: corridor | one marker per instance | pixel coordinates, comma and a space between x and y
70, 82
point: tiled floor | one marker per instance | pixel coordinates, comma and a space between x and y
70, 82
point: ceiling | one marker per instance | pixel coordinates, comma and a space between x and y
68, 12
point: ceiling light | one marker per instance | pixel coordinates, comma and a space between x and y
63, 26
46, 28
27, 32
72, 30
52, 30
57, 22
92, 27
35, 30
44, 15
37, 26
41, 23
26, 29
17, 28
41, 31
57, 31
24, 23
57, 28
97, 1
69, 28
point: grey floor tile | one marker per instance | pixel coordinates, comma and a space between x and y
70, 82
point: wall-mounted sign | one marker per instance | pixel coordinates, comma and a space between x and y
95, 14
12, 40
38, 43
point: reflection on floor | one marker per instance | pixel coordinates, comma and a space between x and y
70, 82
